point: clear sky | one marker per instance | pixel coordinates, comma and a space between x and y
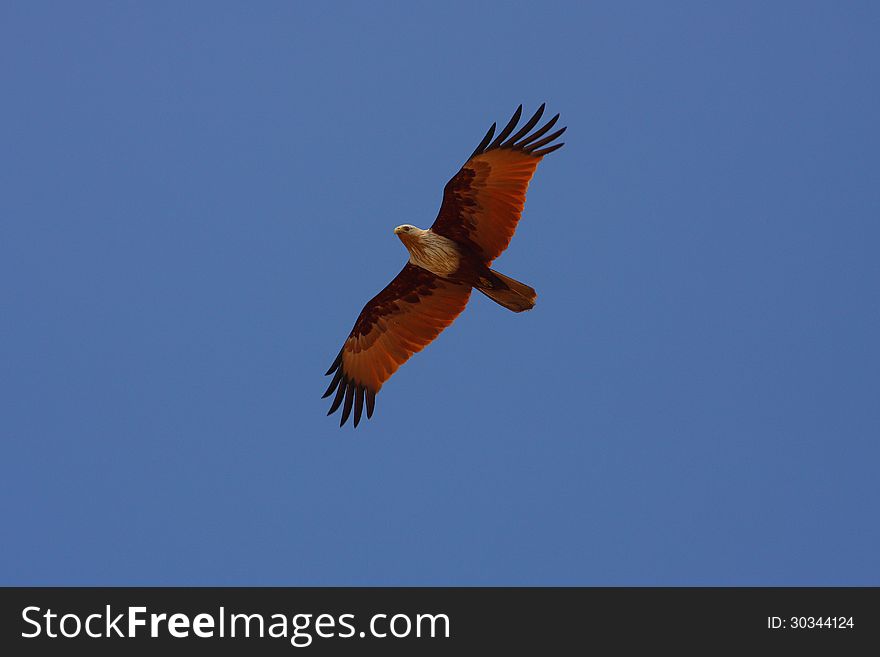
196, 200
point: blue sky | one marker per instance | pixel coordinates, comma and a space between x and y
198, 198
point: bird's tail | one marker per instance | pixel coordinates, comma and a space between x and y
511, 294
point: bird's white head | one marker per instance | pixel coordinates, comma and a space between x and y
407, 232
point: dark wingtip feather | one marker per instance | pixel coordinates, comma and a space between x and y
545, 151
522, 140
340, 391
371, 402
333, 383
525, 129
358, 404
546, 140
538, 133
507, 129
349, 397
479, 149
335, 365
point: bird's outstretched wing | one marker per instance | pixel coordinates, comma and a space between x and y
399, 321
483, 202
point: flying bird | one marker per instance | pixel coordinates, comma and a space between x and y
481, 207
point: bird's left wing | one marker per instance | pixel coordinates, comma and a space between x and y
399, 321
483, 202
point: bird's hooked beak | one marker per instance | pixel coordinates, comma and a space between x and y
398, 230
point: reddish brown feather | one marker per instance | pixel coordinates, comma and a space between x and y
483, 202
399, 321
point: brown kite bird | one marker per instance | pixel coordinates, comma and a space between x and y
481, 207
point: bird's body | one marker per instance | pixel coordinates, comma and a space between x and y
481, 207
443, 257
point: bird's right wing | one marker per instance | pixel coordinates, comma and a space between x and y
399, 321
